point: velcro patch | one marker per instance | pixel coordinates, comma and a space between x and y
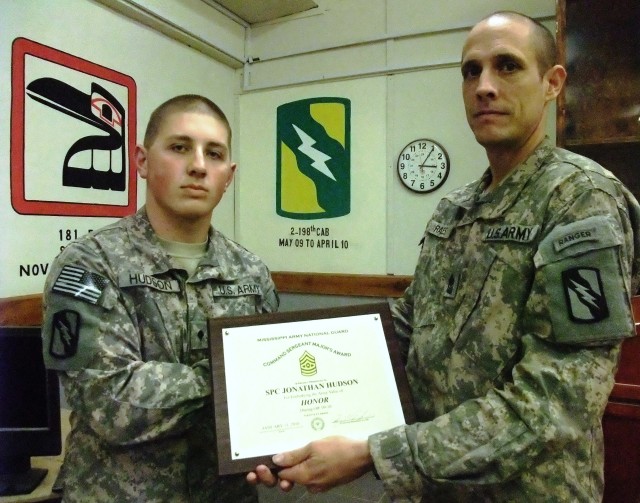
199, 334
586, 301
65, 334
575, 237
439, 230
516, 233
130, 279
79, 283
237, 290
452, 285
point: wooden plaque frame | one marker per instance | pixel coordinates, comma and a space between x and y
227, 465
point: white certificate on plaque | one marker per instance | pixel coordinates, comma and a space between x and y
288, 383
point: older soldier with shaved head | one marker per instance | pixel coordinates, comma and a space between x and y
515, 316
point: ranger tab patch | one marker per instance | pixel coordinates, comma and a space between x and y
79, 283
575, 237
586, 302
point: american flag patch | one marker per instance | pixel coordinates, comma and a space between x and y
80, 284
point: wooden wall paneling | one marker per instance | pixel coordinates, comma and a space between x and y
621, 426
27, 309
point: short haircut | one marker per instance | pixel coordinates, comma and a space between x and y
543, 40
183, 103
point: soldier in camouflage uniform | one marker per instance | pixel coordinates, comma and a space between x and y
515, 316
125, 313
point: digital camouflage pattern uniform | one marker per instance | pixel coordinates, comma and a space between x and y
127, 331
513, 321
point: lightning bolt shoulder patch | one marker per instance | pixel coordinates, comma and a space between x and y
579, 265
584, 294
65, 331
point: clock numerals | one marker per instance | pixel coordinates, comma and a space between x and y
423, 165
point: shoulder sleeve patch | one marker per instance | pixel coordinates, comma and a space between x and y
580, 267
80, 284
65, 332
584, 294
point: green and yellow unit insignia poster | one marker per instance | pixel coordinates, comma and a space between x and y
313, 158
311, 183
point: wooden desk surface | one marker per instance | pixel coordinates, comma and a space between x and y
43, 492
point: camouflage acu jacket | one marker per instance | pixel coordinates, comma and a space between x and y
127, 331
513, 322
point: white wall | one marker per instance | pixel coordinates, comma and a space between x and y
415, 45
185, 46
161, 67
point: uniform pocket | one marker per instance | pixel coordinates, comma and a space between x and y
474, 277
485, 326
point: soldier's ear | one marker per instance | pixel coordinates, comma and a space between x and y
141, 161
554, 80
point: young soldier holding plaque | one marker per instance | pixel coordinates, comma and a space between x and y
125, 323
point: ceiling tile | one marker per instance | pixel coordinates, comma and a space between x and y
258, 11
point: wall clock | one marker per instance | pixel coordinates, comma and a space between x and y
423, 165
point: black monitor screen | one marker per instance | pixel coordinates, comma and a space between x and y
29, 409
23, 378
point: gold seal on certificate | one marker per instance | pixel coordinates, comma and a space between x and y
281, 380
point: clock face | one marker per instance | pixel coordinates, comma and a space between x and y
423, 165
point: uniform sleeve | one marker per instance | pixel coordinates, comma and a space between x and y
271, 299
576, 315
90, 335
402, 313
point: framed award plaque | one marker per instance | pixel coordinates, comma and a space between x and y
281, 380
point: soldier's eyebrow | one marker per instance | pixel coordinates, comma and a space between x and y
188, 139
509, 57
179, 137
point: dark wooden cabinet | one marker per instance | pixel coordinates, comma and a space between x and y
599, 109
621, 425
598, 115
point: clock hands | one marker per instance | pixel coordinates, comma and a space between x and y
414, 168
424, 165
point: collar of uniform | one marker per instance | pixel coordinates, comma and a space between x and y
153, 257
218, 265
494, 204
465, 196
155, 260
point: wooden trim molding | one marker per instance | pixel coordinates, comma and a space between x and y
27, 309
341, 284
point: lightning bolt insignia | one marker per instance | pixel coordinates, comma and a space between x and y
64, 337
584, 293
65, 334
319, 158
